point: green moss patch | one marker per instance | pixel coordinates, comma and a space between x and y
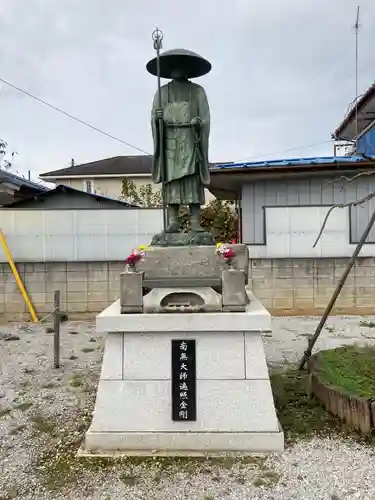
299, 414
350, 369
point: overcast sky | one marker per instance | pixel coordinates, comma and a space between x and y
283, 73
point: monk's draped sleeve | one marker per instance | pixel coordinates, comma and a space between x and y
204, 115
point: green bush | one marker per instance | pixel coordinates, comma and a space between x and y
218, 217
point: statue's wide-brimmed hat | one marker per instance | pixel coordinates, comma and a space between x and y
192, 64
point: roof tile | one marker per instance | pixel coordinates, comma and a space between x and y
321, 160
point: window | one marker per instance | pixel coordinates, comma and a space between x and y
88, 186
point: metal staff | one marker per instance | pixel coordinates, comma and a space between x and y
157, 37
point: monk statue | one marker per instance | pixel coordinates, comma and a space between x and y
180, 122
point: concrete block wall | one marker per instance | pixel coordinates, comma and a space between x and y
285, 286
304, 286
86, 287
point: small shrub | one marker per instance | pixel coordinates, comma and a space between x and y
330, 329
17, 430
76, 381
87, 349
23, 406
128, 480
10, 494
41, 424
367, 323
48, 385
28, 371
259, 481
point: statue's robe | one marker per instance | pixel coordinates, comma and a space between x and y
186, 169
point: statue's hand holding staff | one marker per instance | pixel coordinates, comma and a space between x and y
159, 114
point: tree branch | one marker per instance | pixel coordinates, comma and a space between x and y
354, 203
366, 172
350, 179
343, 205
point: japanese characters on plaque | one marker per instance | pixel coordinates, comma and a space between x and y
183, 380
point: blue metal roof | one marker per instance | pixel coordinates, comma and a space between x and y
320, 160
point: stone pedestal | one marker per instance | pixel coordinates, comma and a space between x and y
234, 404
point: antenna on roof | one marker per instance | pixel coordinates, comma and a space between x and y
356, 27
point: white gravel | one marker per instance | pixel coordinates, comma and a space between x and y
44, 411
289, 336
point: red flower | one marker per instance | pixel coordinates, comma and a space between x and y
133, 258
228, 254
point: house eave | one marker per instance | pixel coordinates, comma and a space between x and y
48, 178
234, 179
8, 187
364, 110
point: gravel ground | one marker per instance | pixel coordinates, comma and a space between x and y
44, 412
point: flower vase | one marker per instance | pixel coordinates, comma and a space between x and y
234, 292
131, 291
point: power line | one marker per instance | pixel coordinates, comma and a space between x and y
285, 151
82, 122
74, 117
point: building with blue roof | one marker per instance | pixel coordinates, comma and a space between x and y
228, 179
295, 182
282, 205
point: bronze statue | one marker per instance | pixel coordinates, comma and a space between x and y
180, 122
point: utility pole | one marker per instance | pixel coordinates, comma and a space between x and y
356, 27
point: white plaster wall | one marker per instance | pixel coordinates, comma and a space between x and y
77, 235
292, 231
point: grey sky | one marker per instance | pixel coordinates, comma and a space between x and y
282, 73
